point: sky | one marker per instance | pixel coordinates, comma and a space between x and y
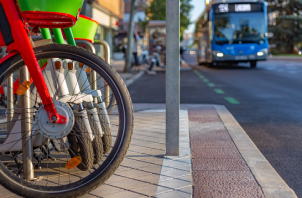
199, 6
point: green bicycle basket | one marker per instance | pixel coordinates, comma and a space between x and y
50, 13
85, 29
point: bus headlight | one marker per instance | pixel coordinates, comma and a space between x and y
262, 52
218, 54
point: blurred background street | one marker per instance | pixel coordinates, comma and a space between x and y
265, 101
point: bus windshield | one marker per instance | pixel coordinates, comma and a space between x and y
232, 28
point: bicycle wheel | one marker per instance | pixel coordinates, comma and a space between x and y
59, 175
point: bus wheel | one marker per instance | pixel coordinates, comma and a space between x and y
253, 64
210, 64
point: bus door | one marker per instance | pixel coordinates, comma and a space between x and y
210, 36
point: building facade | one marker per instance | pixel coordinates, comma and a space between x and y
107, 13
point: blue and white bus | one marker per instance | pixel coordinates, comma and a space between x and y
232, 31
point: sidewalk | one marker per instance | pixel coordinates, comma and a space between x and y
138, 71
285, 58
128, 78
217, 159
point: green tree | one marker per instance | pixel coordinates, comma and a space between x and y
288, 28
157, 11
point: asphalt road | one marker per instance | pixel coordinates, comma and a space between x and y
266, 101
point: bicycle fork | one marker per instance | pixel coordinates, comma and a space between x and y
22, 43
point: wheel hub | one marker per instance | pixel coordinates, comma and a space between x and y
54, 130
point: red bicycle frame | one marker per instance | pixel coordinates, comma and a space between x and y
22, 44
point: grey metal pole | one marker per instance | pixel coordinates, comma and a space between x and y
10, 100
27, 148
172, 77
107, 59
130, 35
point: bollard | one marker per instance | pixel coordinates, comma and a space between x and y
27, 148
172, 77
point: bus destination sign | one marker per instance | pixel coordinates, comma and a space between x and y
236, 7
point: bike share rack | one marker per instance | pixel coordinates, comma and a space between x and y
25, 104
90, 47
27, 149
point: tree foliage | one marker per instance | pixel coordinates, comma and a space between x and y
288, 27
157, 11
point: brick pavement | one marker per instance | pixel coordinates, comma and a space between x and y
218, 168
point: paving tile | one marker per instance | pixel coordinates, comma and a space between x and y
122, 168
132, 152
186, 189
184, 159
185, 145
152, 168
162, 189
175, 183
157, 146
154, 152
218, 168
214, 153
174, 173
134, 163
147, 190
208, 119
185, 178
151, 178
213, 144
174, 194
219, 165
207, 135
225, 184
149, 159
115, 178
133, 173
103, 190
185, 152
124, 194
129, 184
196, 127
140, 143
178, 165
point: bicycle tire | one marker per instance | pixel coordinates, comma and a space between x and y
81, 146
111, 105
97, 142
122, 140
107, 139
